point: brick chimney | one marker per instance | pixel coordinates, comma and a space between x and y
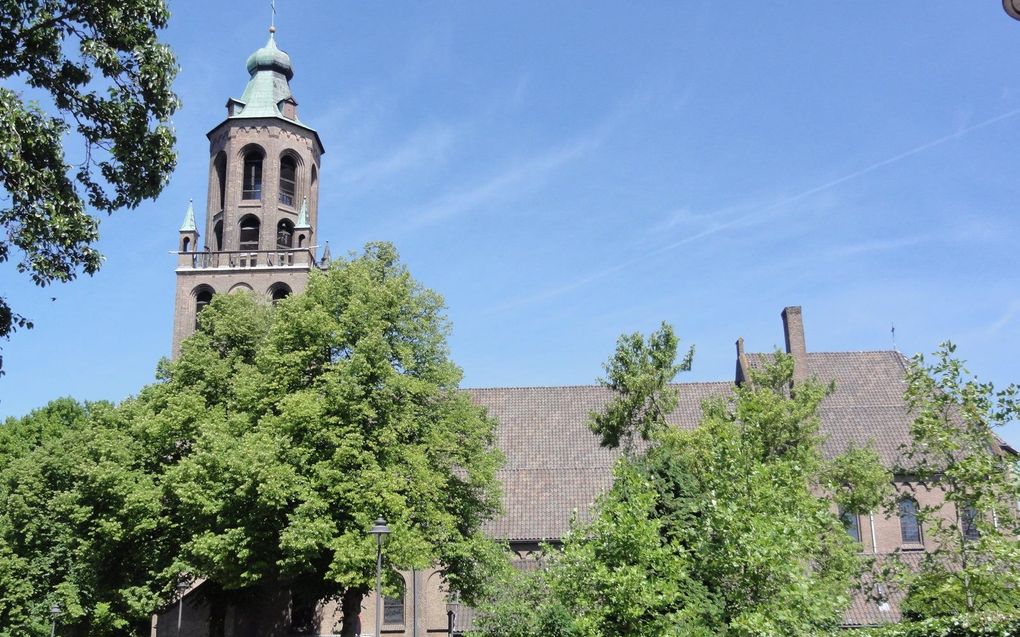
793, 330
743, 369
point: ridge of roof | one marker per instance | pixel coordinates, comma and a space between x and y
852, 351
590, 386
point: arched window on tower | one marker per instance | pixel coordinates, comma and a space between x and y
285, 234
313, 183
251, 187
220, 168
202, 298
186, 244
288, 180
249, 233
278, 292
218, 234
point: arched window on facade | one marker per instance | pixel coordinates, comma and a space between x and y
218, 235
852, 524
285, 234
220, 169
968, 519
202, 298
186, 244
910, 527
393, 609
288, 180
301, 240
249, 238
251, 187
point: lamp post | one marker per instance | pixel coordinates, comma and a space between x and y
182, 588
55, 612
380, 531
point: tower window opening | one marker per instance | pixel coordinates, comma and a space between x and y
202, 300
249, 233
220, 166
186, 245
279, 291
252, 186
288, 180
218, 234
284, 234
301, 241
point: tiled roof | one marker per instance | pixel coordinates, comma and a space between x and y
554, 463
867, 405
555, 466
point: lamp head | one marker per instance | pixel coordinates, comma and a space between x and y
380, 530
55, 611
182, 588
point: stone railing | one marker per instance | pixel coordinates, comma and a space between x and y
246, 259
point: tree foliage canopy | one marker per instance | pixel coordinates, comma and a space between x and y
108, 78
82, 523
306, 422
258, 463
975, 565
723, 529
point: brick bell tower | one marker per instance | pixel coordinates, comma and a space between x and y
262, 208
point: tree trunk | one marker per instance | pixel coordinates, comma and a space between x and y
350, 606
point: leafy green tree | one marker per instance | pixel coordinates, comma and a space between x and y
975, 563
724, 529
102, 67
639, 374
81, 524
291, 429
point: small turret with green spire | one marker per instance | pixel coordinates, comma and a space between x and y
189, 224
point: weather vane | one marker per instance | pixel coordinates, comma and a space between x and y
272, 20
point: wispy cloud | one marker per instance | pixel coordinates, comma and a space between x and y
508, 183
880, 245
522, 175
760, 214
425, 147
1008, 316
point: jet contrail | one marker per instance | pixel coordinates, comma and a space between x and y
754, 213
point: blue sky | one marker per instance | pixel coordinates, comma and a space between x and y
566, 172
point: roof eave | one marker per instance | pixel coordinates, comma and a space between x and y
296, 124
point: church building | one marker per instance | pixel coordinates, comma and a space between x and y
259, 233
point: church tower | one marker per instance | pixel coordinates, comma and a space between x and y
259, 232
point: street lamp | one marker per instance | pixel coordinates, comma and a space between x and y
182, 588
55, 612
380, 531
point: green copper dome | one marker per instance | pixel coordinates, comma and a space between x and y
270, 58
267, 94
